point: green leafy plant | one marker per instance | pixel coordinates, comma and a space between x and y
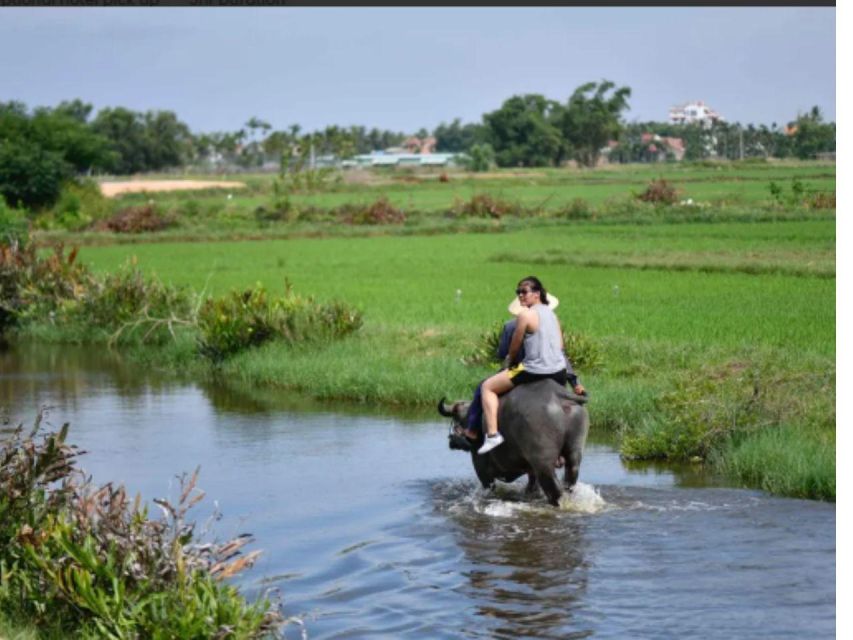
85, 560
14, 225
80, 204
244, 319
582, 352
59, 290
135, 308
34, 286
486, 349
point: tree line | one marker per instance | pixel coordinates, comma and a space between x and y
43, 147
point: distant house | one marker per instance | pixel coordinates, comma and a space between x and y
692, 112
650, 147
385, 159
659, 147
413, 144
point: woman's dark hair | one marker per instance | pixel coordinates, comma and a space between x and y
536, 285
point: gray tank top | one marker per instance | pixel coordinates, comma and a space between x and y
542, 353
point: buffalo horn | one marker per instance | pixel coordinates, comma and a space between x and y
444, 410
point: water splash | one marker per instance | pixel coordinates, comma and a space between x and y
584, 498
500, 509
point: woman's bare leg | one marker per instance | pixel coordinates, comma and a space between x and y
493, 387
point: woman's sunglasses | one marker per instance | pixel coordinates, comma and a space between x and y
519, 292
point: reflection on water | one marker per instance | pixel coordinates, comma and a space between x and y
528, 563
371, 527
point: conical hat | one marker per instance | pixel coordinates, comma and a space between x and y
515, 306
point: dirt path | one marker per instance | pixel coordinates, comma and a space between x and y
113, 189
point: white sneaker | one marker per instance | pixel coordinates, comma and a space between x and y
490, 443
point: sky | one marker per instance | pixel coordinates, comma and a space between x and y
406, 68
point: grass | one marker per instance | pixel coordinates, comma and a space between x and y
687, 304
413, 282
734, 191
784, 460
10, 631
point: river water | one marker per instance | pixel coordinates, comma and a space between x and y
372, 528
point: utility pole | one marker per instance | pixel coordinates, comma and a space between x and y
740, 132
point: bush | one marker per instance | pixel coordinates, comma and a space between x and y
578, 209
14, 225
659, 192
582, 352
29, 175
480, 157
281, 210
133, 308
139, 219
81, 561
33, 286
483, 205
379, 212
718, 404
250, 318
822, 200
79, 205
58, 289
486, 351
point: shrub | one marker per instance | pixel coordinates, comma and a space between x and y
32, 286
190, 208
80, 204
58, 289
486, 351
14, 225
250, 318
625, 208
717, 404
138, 219
822, 200
30, 175
379, 212
582, 352
483, 205
480, 157
81, 560
800, 196
659, 191
134, 308
281, 210
578, 209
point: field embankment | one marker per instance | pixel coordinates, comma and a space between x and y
116, 188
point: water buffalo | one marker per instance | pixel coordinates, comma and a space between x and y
544, 425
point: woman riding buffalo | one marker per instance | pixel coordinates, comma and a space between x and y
538, 330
